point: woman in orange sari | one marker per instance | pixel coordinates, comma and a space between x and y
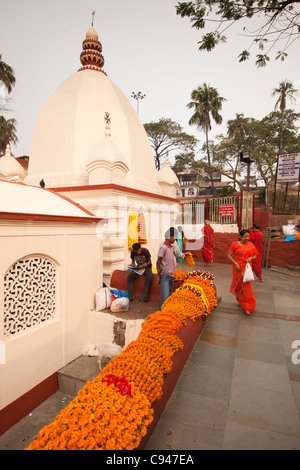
240, 253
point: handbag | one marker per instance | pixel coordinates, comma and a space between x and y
248, 274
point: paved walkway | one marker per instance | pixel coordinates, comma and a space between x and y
239, 388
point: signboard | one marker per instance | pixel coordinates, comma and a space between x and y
226, 210
288, 168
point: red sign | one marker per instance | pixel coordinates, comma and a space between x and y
226, 210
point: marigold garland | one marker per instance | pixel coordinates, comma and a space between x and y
132, 229
189, 258
141, 228
169, 341
146, 375
99, 418
113, 411
179, 275
201, 274
156, 351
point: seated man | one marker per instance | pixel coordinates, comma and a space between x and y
142, 259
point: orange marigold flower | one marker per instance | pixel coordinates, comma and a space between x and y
190, 259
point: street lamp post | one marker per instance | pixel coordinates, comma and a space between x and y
245, 158
137, 96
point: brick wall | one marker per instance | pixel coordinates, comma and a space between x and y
280, 253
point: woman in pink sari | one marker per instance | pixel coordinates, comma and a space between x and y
240, 253
208, 244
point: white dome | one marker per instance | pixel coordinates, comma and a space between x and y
168, 180
106, 164
71, 127
167, 176
10, 168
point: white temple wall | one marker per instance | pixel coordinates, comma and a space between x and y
49, 274
115, 205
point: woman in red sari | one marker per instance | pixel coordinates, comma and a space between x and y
240, 253
208, 244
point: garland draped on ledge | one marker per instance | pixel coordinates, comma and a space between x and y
113, 411
132, 230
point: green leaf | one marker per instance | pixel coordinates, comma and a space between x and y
262, 60
244, 56
281, 55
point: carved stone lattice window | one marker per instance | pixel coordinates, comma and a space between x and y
29, 294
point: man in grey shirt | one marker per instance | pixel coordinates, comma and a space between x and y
165, 265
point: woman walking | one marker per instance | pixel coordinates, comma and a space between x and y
208, 243
239, 254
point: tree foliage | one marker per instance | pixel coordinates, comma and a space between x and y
280, 24
166, 136
206, 103
7, 132
7, 77
285, 91
7, 126
262, 138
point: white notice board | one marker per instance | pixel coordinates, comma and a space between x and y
288, 168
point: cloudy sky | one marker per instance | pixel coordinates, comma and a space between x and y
146, 48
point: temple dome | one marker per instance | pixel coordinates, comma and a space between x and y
168, 180
10, 168
70, 128
106, 164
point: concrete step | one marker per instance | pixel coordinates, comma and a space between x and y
74, 376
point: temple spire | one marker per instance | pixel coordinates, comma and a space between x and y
93, 14
91, 57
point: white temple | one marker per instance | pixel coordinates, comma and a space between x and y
59, 243
90, 145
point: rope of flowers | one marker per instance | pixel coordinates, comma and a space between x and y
197, 273
114, 411
201, 274
142, 233
210, 293
168, 341
190, 259
100, 417
146, 374
154, 350
185, 305
179, 275
132, 229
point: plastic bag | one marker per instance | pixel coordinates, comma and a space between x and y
115, 293
120, 305
103, 299
248, 274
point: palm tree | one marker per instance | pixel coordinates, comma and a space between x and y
7, 132
285, 91
206, 103
7, 76
7, 127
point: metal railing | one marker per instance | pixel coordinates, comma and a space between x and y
234, 209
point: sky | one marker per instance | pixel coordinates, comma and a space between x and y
146, 47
